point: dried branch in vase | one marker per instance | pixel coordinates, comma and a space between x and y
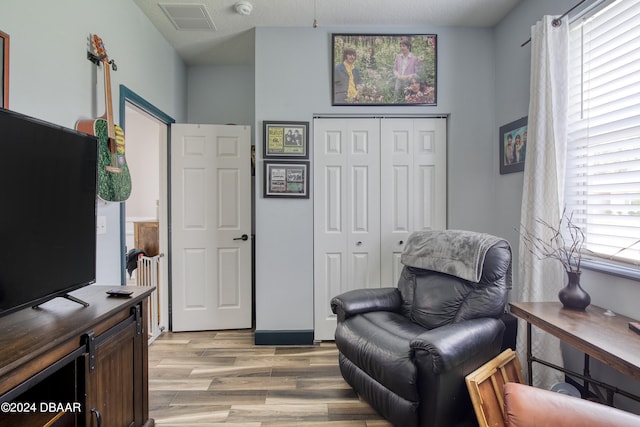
569, 253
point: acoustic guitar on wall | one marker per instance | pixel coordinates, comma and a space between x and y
114, 179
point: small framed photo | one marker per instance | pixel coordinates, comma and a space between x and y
286, 179
513, 146
286, 140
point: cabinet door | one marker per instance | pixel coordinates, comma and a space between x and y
346, 213
115, 388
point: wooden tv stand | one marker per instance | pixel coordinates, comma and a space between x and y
62, 364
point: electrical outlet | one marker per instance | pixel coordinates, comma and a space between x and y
101, 225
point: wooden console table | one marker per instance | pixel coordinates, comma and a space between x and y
603, 337
62, 364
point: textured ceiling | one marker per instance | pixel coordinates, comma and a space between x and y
232, 41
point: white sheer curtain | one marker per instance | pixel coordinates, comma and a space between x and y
542, 196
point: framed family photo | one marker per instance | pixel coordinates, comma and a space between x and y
286, 140
286, 179
513, 146
384, 69
4, 70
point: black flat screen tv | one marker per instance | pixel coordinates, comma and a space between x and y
47, 211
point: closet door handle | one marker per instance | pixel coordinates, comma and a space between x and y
244, 237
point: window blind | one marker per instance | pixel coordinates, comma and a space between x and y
602, 187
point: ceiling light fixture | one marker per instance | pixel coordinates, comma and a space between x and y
315, 13
243, 7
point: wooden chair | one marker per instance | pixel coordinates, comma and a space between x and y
486, 384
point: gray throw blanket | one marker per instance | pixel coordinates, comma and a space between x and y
455, 252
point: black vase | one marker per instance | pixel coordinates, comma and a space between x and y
573, 296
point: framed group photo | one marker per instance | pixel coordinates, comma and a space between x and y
384, 69
286, 140
513, 146
286, 179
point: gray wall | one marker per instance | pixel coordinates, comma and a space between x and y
51, 78
293, 82
221, 95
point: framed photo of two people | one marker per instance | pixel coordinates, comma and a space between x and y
513, 146
384, 69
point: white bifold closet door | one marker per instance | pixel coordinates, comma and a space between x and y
375, 181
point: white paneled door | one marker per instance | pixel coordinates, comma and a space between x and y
413, 186
375, 182
210, 227
346, 212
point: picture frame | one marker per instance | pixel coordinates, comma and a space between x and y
284, 140
379, 76
4, 70
513, 146
286, 179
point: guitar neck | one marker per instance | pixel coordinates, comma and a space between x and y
107, 100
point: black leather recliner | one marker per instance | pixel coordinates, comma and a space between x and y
407, 350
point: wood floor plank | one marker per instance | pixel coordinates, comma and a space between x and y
317, 424
179, 384
246, 397
231, 371
330, 383
192, 415
221, 379
317, 371
191, 361
253, 383
233, 352
304, 396
284, 412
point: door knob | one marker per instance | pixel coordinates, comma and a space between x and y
243, 237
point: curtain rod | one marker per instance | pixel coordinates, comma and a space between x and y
558, 21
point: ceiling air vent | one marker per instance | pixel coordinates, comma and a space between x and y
189, 17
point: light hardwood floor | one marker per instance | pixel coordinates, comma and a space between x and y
208, 379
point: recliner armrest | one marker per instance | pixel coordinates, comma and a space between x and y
364, 300
451, 345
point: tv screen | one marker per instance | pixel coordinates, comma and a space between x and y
48, 211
